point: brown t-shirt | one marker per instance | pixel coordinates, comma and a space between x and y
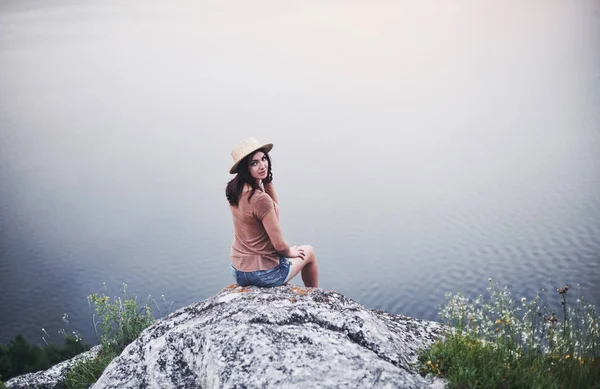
252, 249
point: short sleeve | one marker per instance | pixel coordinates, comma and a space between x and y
263, 205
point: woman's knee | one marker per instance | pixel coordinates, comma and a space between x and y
310, 252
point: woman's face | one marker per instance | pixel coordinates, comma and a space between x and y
258, 166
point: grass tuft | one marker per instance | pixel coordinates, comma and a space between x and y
85, 373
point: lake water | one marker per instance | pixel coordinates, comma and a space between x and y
420, 147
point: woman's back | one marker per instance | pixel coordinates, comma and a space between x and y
252, 248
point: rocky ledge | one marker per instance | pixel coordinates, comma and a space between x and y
285, 337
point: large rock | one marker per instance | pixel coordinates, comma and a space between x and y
48, 379
285, 337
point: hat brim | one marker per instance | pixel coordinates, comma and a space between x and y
267, 146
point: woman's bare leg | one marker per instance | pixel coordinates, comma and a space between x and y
308, 267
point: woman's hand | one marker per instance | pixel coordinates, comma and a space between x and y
296, 252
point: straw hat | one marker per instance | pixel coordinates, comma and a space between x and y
245, 148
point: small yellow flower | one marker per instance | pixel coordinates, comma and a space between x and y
429, 362
568, 356
498, 321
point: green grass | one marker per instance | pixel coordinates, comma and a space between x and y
120, 321
85, 373
117, 322
499, 343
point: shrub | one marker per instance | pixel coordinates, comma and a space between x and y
120, 320
500, 343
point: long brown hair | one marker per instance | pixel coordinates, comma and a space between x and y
234, 188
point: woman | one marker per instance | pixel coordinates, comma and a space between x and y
259, 254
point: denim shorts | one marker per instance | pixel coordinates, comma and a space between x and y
263, 278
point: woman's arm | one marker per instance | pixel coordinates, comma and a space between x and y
270, 190
273, 229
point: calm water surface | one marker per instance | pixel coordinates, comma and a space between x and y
420, 148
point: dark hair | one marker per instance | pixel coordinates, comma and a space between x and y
234, 188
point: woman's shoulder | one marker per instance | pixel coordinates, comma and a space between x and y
260, 195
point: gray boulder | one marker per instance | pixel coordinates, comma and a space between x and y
284, 337
48, 379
